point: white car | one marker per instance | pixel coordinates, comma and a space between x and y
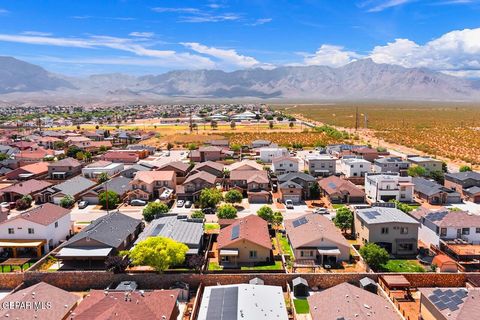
320, 211
289, 204
180, 203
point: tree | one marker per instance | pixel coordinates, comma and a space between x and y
191, 146
169, 146
465, 169
236, 147
226, 211
343, 219
79, 155
72, 151
209, 198
57, 145
213, 124
116, 264
233, 196
437, 175
291, 124
103, 177
266, 213
196, 262
198, 214
3, 156
160, 253
374, 255
417, 171
270, 124
233, 125
67, 201
24, 202
314, 191
108, 199
153, 209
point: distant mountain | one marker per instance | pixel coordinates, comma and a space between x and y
362, 79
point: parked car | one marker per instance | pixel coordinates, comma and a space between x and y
289, 204
188, 204
180, 203
138, 202
320, 211
208, 211
82, 204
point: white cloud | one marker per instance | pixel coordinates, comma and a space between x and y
36, 33
226, 56
141, 34
4, 11
175, 10
261, 21
330, 55
380, 5
208, 17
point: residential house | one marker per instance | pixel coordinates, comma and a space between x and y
256, 144
346, 301
131, 304
290, 190
132, 170
268, 154
72, 139
95, 169
180, 168
320, 165
151, 184
93, 146
73, 187
450, 225
300, 178
245, 301
467, 183
366, 153
46, 301
194, 184
20, 189
244, 165
434, 193
246, 241
211, 167
126, 157
391, 164
140, 147
29, 171
222, 143
339, 150
255, 183
208, 153
455, 303
48, 142
120, 185
390, 228
37, 230
285, 164
355, 167
186, 231
64, 169
340, 190
104, 237
315, 238
25, 157
388, 186
428, 163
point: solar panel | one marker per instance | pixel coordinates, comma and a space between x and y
371, 214
158, 229
332, 185
299, 222
235, 232
448, 299
223, 304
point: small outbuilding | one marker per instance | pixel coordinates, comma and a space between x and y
300, 287
257, 281
368, 284
444, 263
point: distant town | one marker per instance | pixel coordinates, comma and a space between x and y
228, 211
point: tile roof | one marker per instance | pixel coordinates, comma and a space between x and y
334, 184
27, 187
316, 227
250, 176
179, 165
36, 168
251, 164
211, 164
45, 214
61, 303
376, 215
350, 302
152, 176
251, 228
110, 230
203, 175
154, 305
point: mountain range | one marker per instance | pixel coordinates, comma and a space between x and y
25, 83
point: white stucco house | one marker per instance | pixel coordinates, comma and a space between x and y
268, 154
93, 170
384, 187
282, 165
355, 167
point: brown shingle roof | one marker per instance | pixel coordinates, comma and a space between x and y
250, 176
350, 302
317, 227
157, 304
179, 165
252, 228
211, 164
61, 303
203, 175
27, 187
44, 214
152, 176
334, 184
67, 162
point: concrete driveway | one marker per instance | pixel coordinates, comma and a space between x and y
92, 212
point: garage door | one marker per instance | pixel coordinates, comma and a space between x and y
91, 200
294, 198
258, 198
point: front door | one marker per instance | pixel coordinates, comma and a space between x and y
459, 233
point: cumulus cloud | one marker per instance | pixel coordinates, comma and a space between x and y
330, 55
225, 56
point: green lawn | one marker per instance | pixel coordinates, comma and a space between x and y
337, 205
265, 266
212, 226
15, 268
213, 266
301, 306
399, 265
284, 245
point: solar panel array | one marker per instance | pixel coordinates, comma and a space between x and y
299, 222
448, 299
437, 216
372, 215
235, 232
157, 230
223, 304
332, 185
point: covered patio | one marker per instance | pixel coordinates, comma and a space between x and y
328, 255
83, 257
14, 245
15, 262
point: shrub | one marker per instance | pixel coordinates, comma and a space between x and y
108, 199
153, 209
374, 255
233, 196
227, 211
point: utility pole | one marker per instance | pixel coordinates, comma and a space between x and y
356, 119
190, 119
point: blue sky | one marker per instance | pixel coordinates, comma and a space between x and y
140, 37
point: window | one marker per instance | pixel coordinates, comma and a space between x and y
31, 231
477, 230
385, 230
11, 231
443, 232
253, 254
403, 230
56, 224
466, 231
405, 247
